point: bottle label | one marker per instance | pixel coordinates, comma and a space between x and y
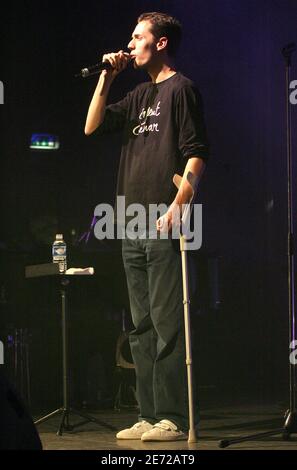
59, 250
59, 255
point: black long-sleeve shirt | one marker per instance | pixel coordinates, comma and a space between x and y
162, 126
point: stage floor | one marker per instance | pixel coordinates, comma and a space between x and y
221, 422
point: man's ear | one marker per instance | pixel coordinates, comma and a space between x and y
162, 43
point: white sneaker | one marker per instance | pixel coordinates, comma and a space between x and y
135, 432
165, 430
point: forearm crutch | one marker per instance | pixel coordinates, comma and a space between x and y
184, 233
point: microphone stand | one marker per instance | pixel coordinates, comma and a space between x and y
290, 425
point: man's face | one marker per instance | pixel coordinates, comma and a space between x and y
143, 45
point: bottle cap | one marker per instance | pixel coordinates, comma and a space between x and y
59, 236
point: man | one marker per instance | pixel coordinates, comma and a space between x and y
163, 134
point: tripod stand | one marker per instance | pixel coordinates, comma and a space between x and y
290, 425
66, 410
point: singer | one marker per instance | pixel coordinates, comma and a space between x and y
163, 134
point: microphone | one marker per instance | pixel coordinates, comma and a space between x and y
96, 69
288, 50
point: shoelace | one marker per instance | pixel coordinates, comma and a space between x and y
166, 426
141, 423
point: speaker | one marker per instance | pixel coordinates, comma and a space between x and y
17, 430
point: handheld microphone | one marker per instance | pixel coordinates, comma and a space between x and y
95, 69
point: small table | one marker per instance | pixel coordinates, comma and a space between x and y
52, 269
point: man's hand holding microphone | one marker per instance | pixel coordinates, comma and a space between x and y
118, 61
112, 64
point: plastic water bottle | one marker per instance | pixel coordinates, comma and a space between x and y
59, 253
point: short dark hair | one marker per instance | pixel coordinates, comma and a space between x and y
164, 25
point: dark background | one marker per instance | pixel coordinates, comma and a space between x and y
232, 50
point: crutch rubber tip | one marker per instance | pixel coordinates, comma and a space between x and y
192, 436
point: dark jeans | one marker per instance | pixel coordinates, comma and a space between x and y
154, 278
